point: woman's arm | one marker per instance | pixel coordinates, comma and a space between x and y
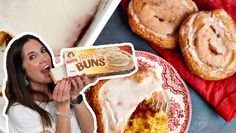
84, 118
61, 95
63, 124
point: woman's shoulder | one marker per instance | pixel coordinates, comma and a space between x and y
17, 107
19, 110
24, 119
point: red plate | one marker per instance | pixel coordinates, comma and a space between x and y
180, 111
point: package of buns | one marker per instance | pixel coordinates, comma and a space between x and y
100, 60
103, 61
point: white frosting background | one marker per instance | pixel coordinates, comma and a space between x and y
58, 22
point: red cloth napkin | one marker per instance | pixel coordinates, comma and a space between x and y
221, 95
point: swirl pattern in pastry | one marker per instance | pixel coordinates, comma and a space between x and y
158, 21
208, 44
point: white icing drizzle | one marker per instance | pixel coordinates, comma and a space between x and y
119, 98
187, 5
136, 19
191, 37
219, 27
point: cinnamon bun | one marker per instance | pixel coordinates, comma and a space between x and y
122, 105
158, 21
208, 44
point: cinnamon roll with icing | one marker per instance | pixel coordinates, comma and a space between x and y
122, 105
208, 44
158, 21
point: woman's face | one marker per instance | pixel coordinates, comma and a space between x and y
71, 55
36, 62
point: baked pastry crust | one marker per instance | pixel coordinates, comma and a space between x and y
4, 40
92, 98
146, 119
208, 44
158, 21
114, 106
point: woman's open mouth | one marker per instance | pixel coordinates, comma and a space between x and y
46, 69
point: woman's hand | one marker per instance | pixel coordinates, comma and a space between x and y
78, 83
84, 116
61, 95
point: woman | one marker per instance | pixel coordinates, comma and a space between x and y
35, 103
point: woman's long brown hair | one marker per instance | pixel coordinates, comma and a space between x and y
16, 90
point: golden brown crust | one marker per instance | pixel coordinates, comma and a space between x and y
92, 98
95, 94
147, 118
146, 30
169, 43
4, 38
183, 39
211, 60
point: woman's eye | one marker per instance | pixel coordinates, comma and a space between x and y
31, 57
43, 50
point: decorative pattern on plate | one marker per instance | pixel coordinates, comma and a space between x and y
180, 111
